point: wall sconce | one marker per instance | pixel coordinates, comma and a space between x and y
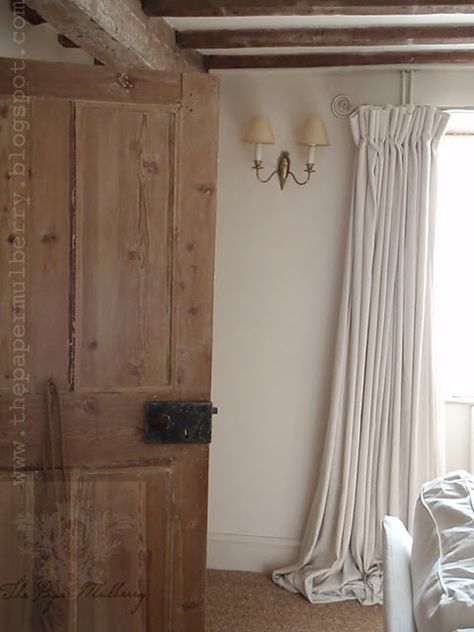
259, 132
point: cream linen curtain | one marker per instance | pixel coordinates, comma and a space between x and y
382, 440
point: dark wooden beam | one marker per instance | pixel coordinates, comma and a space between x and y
317, 60
65, 42
20, 8
215, 8
118, 34
377, 36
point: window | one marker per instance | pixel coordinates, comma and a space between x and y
455, 258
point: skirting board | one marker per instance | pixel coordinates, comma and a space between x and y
261, 554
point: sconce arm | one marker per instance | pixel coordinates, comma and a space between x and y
309, 170
283, 171
258, 168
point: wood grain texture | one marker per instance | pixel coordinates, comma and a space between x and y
161, 552
125, 213
137, 178
197, 176
100, 430
111, 511
48, 251
117, 33
373, 36
325, 60
19, 7
191, 533
213, 8
34, 234
17, 502
158, 524
98, 83
6, 228
114, 527
65, 42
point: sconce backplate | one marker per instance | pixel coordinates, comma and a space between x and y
283, 168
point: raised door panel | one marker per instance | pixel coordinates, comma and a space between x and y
114, 544
125, 203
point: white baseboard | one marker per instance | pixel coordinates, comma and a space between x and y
229, 551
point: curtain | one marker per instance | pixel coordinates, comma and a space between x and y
383, 439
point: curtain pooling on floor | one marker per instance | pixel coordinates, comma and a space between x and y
383, 439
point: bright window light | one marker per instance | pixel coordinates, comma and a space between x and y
454, 271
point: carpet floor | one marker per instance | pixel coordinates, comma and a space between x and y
251, 602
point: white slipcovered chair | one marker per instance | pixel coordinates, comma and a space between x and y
429, 579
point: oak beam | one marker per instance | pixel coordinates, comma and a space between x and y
374, 36
19, 7
324, 60
65, 42
216, 8
117, 33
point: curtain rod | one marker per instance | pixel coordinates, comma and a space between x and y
457, 108
408, 88
342, 106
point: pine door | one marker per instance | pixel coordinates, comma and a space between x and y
107, 213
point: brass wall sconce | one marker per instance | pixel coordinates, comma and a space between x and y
259, 132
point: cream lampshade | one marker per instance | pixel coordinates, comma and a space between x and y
313, 133
259, 132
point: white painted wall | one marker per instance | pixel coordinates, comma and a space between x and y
40, 42
278, 279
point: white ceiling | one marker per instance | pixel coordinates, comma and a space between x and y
315, 21
304, 50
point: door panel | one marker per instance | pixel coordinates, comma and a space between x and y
119, 218
125, 191
118, 545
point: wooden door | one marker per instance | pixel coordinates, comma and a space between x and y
107, 212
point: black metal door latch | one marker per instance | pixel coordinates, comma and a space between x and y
178, 422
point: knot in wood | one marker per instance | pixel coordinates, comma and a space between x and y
48, 237
124, 80
89, 406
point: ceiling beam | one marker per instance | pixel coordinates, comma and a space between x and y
65, 42
20, 8
216, 8
324, 60
117, 33
375, 36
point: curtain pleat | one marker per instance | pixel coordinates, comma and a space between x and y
382, 439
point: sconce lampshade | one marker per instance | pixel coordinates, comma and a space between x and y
259, 131
313, 133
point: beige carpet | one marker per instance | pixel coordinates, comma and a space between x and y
250, 602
